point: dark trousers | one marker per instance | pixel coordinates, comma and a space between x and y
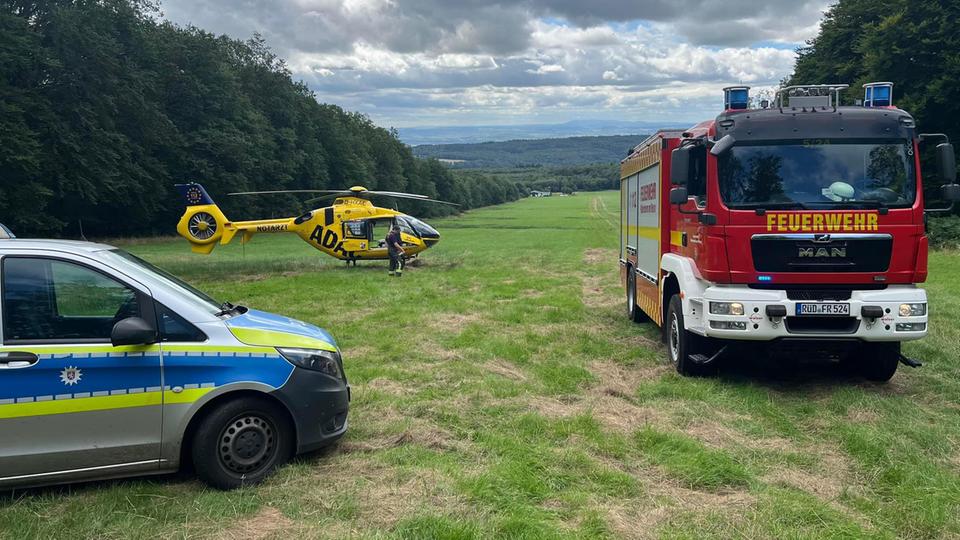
396, 262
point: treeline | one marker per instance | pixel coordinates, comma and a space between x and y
913, 43
565, 152
103, 108
593, 177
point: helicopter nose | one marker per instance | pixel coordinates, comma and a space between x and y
431, 239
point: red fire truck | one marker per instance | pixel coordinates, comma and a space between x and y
796, 225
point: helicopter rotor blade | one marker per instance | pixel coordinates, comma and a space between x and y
397, 194
325, 197
273, 192
413, 196
334, 193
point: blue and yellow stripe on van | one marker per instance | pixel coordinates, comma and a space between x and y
188, 373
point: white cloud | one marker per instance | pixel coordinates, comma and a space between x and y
419, 61
547, 68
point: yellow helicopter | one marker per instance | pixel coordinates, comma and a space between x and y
351, 229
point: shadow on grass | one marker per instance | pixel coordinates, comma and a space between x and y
792, 374
146, 484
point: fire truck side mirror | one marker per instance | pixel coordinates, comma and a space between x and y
678, 195
724, 144
950, 192
947, 163
680, 167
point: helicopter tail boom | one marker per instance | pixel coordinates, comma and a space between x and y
203, 224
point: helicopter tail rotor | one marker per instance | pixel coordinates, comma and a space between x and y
202, 222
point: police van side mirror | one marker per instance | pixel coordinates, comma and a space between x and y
678, 195
680, 165
947, 163
133, 331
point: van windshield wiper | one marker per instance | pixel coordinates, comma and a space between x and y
853, 205
227, 308
785, 205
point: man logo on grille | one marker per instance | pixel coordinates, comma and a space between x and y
834, 252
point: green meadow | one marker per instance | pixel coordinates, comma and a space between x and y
499, 391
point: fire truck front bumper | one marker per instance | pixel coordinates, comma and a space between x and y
896, 313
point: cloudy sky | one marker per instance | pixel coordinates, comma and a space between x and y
435, 62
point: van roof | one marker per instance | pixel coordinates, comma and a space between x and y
70, 246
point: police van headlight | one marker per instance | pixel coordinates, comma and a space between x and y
314, 359
913, 310
726, 308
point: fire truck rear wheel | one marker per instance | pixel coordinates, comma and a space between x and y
680, 342
634, 313
878, 361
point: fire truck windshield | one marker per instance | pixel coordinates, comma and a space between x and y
844, 173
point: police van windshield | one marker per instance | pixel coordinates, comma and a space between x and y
820, 173
207, 302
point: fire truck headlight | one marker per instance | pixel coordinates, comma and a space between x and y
913, 310
726, 308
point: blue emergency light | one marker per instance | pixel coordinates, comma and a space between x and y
878, 94
736, 98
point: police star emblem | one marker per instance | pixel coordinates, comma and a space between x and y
70, 375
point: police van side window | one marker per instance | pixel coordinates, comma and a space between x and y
53, 300
697, 187
175, 328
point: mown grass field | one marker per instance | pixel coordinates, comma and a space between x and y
500, 392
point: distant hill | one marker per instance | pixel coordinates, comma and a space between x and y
531, 153
576, 128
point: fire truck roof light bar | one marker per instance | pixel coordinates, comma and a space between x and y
810, 92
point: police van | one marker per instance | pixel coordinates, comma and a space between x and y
111, 367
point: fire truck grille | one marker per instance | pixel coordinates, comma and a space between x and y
821, 252
822, 325
819, 295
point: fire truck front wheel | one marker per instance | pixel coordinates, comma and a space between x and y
877, 361
682, 343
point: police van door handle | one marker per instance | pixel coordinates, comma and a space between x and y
17, 360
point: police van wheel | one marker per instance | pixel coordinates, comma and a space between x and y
241, 442
878, 361
681, 343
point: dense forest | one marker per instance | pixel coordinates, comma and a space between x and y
593, 177
104, 107
913, 43
564, 152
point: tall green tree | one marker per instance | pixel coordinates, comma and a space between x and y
913, 43
103, 108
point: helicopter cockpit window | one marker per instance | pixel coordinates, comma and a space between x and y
423, 230
355, 229
405, 226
